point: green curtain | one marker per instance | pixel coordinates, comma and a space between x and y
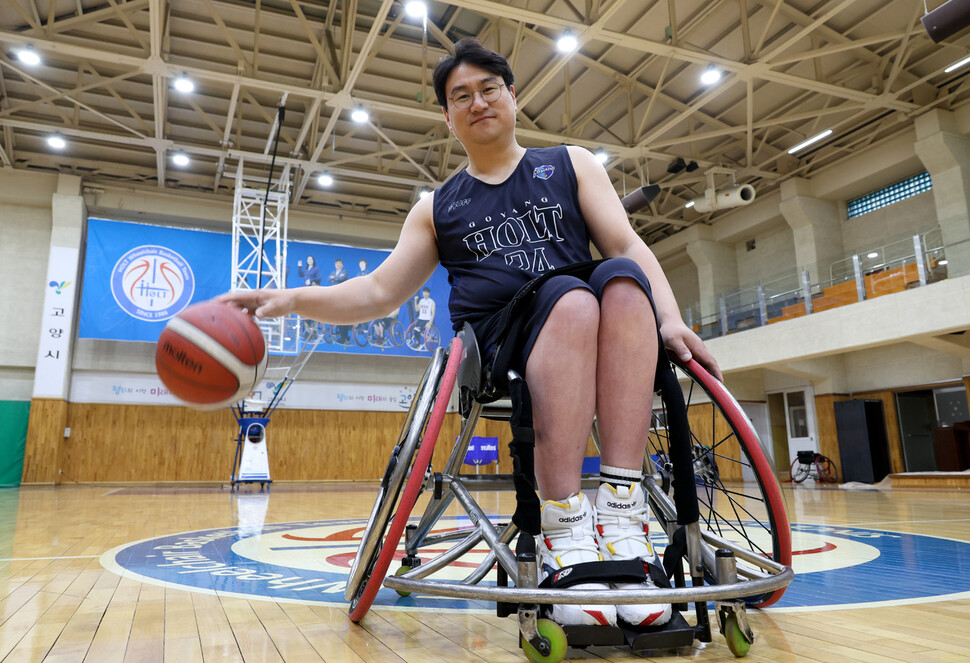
13, 439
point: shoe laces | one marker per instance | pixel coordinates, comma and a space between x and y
568, 549
617, 528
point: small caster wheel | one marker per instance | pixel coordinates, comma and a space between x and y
552, 632
401, 571
736, 640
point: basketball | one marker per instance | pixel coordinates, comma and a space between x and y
211, 355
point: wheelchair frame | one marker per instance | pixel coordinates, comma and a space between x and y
729, 572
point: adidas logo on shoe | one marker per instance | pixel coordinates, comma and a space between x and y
617, 505
573, 519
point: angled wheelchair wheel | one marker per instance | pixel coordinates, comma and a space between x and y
375, 555
412, 338
826, 469
396, 333
799, 471
395, 474
432, 339
738, 493
361, 334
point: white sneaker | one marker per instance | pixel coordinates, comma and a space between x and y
623, 523
568, 538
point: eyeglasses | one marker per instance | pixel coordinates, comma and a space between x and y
490, 93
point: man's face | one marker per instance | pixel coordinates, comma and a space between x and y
339, 264
482, 122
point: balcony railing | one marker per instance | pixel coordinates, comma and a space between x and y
910, 263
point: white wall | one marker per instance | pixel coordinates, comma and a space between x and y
773, 256
906, 218
25, 232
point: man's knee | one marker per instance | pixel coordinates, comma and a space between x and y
578, 309
623, 295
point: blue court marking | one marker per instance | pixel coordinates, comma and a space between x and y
896, 567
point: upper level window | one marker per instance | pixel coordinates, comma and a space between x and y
890, 194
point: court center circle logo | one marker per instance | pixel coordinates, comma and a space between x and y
309, 561
152, 283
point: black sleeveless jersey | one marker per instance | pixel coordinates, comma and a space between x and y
493, 238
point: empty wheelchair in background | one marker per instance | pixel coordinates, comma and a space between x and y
811, 464
709, 487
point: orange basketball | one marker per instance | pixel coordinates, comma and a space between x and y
211, 355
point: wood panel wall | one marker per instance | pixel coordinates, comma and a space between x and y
44, 449
157, 443
828, 437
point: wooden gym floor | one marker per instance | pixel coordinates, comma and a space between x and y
893, 560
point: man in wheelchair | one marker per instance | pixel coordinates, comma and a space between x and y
591, 336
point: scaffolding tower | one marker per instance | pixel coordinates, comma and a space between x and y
259, 238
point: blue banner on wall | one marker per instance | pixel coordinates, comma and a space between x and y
137, 276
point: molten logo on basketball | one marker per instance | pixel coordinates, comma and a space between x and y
181, 357
152, 283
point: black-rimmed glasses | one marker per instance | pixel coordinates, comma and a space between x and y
490, 92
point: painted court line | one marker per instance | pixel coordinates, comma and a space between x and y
32, 559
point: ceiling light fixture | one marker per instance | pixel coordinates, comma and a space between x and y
690, 203
956, 65
55, 141
359, 115
180, 159
28, 56
602, 156
567, 43
416, 9
424, 193
184, 84
813, 139
324, 180
711, 76
872, 254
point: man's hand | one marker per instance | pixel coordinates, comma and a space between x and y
265, 303
683, 343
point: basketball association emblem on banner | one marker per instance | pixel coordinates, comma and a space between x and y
152, 283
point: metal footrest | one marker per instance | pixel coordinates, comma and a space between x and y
675, 633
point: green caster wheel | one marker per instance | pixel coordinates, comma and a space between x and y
552, 632
401, 571
736, 642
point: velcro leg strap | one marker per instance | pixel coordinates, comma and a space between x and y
675, 551
522, 449
657, 574
629, 570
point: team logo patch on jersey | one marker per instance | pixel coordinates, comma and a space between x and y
543, 172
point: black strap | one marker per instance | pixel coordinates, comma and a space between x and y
522, 448
511, 319
675, 552
629, 570
657, 574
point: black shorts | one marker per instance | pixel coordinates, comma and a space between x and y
538, 309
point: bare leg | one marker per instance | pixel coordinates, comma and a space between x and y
560, 373
627, 359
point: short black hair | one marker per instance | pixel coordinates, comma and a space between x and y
471, 51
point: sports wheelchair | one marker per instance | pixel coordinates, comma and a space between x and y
812, 464
708, 483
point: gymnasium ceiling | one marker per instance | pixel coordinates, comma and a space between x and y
791, 69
